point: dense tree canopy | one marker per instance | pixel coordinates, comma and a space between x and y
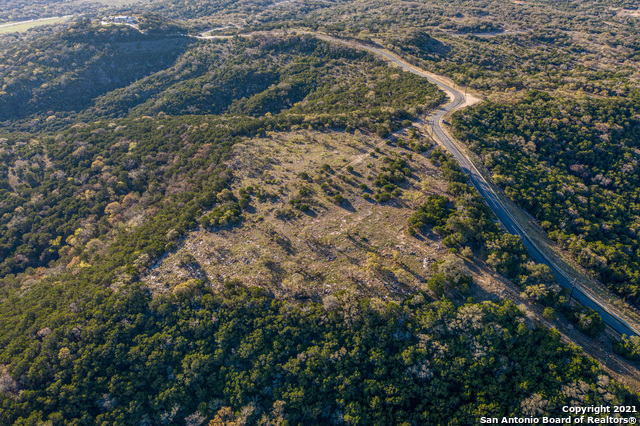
127, 358
573, 165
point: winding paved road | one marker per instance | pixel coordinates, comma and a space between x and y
506, 218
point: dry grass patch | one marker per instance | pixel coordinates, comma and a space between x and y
296, 239
17, 27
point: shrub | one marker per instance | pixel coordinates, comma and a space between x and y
549, 313
628, 347
588, 321
381, 197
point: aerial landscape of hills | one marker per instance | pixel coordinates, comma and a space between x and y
319, 212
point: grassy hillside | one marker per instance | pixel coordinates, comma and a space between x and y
313, 225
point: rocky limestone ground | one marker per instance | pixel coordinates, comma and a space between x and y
331, 246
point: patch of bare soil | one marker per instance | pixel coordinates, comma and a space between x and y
629, 12
332, 245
